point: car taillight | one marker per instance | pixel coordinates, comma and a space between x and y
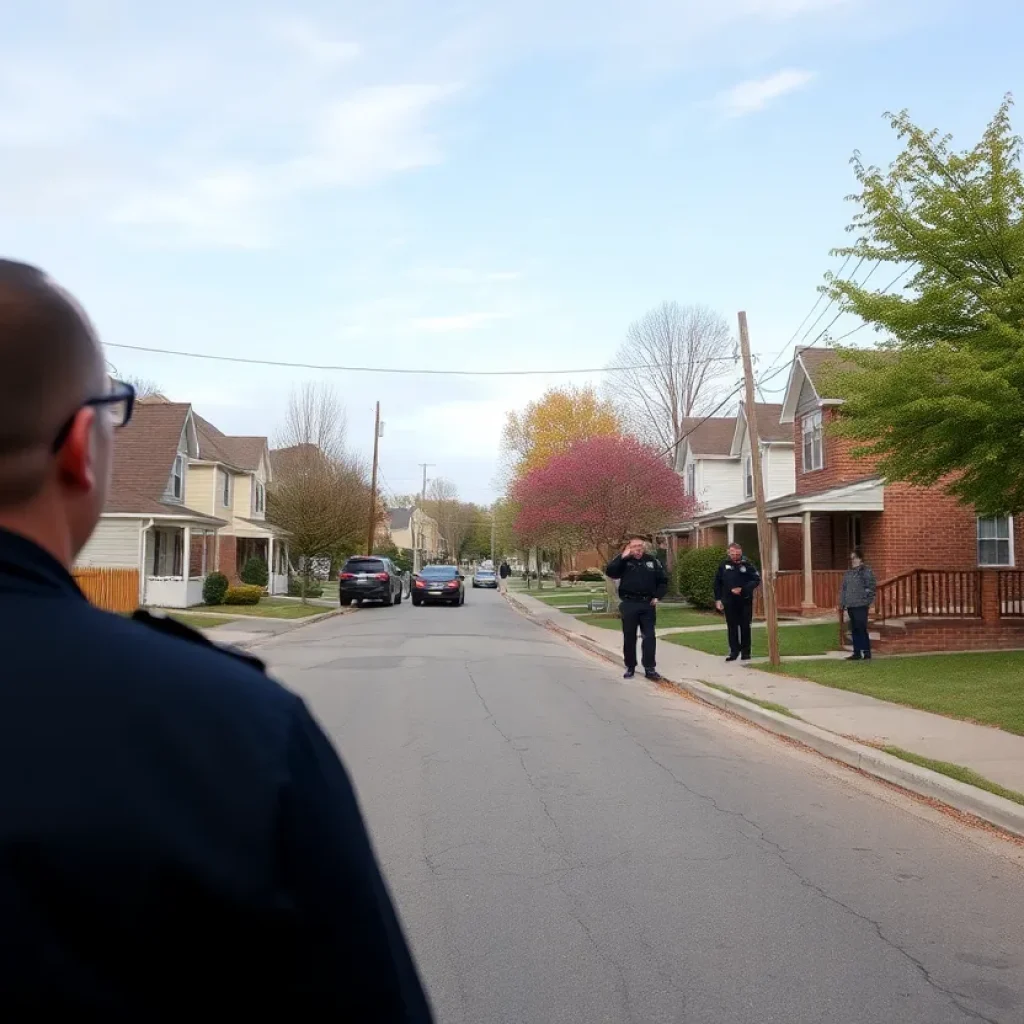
453, 583
382, 576
420, 583
346, 576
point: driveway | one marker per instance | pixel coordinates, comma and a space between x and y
567, 847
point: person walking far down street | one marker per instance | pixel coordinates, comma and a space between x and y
735, 582
504, 572
856, 595
643, 582
175, 829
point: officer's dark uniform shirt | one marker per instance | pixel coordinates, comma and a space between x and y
730, 575
177, 835
639, 578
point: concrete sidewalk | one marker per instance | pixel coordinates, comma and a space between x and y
997, 755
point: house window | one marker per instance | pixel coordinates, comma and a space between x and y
225, 496
854, 534
748, 477
260, 497
691, 479
814, 456
178, 477
995, 541
168, 552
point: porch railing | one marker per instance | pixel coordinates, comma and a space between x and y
930, 593
789, 590
115, 590
1011, 593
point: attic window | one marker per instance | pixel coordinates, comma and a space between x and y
261, 499
178, 477
748, 477
225, 489
813, 450
691, 479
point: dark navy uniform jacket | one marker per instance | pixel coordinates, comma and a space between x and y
639, 578
177, 835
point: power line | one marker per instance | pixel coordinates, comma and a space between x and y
393, 369
903, 273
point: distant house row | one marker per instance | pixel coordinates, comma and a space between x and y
185, 500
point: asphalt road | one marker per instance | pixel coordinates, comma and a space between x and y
564, 846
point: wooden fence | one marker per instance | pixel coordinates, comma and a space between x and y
115, 590
930, 593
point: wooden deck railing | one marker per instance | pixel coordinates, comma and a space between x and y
789, 590
115, 590
930, 593
1011, 593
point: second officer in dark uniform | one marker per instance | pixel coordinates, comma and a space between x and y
177, 835
735, 582
643, 582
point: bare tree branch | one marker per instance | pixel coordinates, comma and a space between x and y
683, 352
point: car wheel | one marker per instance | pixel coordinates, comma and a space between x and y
398, 598
346, 601
416, 603
389, 600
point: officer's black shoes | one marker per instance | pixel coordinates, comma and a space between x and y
744, 657
854, 657
629, 673
732, 657
653, 675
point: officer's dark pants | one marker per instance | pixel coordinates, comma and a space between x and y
738, 614
859, 631
638, 615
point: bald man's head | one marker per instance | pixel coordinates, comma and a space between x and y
50, 362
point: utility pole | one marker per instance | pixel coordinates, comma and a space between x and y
764, 533
417, 542
371, 531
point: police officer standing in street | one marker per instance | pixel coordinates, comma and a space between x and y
177, 835
735, 582
642, 584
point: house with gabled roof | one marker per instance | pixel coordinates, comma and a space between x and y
149, 524
229, 479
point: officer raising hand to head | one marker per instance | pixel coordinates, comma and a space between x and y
642, 583
176, 833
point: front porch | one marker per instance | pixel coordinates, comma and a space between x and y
265, 541
176, 560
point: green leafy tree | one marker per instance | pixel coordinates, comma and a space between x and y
941, 400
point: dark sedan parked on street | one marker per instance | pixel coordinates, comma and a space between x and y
440, 584
364, 578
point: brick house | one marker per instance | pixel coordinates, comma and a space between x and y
149, 527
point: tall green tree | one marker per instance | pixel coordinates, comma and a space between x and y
942, 397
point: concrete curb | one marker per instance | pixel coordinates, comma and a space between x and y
978, 803
298, 624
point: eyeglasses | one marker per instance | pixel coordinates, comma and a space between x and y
118, 404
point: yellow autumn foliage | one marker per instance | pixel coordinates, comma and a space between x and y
550, 425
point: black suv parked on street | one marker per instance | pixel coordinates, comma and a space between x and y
369, 578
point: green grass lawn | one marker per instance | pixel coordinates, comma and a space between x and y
567, 596
198, 621
985, 688
668, 618
819, 638
269, 608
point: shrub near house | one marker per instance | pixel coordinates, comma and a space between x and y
695, 575
243, 595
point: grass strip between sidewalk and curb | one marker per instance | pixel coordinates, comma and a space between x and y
956, 771
779, 709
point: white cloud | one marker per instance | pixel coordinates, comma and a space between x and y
457, 322
755, 94
312, 44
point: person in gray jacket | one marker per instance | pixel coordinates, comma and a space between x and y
856, 596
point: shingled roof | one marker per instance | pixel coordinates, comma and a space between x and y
144, 453
242, 453
712, 436
768, 426
816, 361
398, 518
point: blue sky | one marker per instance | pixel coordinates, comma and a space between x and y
489, 185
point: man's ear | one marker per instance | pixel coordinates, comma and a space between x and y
77, 455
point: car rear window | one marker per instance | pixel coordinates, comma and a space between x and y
365, 565
440, 572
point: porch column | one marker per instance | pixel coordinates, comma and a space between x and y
774, 526
730, 531
270, 564
808, 568
186, 555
